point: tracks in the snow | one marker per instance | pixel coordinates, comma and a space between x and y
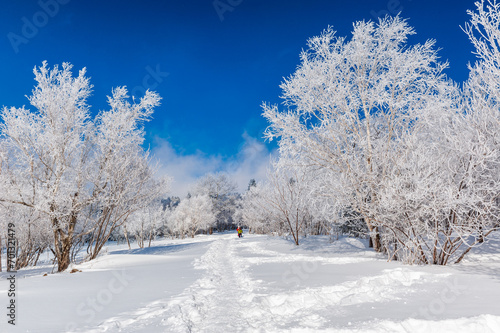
213, 303
226, 299
220, 297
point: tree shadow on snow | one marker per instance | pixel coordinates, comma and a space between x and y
343, 245
492, 270
157, 250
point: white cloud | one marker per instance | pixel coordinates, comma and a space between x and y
251, 161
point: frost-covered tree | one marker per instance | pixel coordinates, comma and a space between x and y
145, 223
398, 145
445, 187
252, 209
46, 153
123, 175
81, 176
251, 183
289, 199
192, 215
221, 189
169, 206
350, 102
285, 204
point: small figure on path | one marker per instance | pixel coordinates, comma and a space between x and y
240, 232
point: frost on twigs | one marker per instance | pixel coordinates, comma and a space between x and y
192, 215
77, 178
395, 142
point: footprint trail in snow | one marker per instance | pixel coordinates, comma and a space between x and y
226, 298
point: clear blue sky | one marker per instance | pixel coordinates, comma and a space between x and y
220, 65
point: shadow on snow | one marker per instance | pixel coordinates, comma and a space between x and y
157, 250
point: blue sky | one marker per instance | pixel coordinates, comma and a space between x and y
213, 62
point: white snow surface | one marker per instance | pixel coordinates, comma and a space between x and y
220, 283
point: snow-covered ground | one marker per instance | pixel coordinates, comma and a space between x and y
220, 283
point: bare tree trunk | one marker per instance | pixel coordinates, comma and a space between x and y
64, 260
62, 245
40, 250
151, 236
126, 236
295, 237
63, 242
0, 253
375, 241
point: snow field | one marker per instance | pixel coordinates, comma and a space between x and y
240, 292
260, 284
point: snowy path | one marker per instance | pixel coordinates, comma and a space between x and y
260, 284
220, 297
238, 291
216, 300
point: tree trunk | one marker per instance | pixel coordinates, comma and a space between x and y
64, 260
150, 238
375, 241
40, 251
0, 253
63, 242
126, 236
62, 245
